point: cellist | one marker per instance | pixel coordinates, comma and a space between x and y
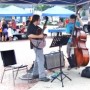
74, 21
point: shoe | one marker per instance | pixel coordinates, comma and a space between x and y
35, 76
30, 70
69, 68
45, 79
29, 76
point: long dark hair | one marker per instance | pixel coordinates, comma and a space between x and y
35, 18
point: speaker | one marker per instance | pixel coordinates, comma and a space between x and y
52, 60
8, 57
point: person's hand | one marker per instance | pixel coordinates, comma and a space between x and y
78, 16
45, 27
76, 27
41, 36
45, 35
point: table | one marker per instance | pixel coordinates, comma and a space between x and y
57, 30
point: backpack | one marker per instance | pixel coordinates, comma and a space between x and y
86, 72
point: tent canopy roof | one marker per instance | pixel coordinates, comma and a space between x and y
57, 11
46, 1
14, 11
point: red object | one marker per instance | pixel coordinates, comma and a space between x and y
22, 29
13, 24
81, 52
67, 21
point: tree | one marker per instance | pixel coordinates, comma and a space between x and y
4, 5
42, 7
72, 8
83, 13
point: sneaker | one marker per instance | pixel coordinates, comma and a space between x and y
26, 77
29, 76
69, 68
45, 79
30, 70
35, 76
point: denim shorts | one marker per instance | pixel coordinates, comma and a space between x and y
4, 33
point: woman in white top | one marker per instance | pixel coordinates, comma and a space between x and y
10, 31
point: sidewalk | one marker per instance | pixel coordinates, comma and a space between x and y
77, 83
25, 55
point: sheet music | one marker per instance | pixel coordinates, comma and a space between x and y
60, 40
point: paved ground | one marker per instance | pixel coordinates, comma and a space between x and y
26, 56
77, 83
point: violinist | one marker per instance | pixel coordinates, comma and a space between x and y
73, 22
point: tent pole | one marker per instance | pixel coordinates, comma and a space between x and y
76, 8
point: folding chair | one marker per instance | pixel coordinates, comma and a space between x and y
9, 62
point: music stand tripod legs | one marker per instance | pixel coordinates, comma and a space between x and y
61, 73
59, 41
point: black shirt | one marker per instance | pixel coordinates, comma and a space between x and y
4, 26
32, 29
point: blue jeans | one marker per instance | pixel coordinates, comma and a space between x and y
39, 63
68, 49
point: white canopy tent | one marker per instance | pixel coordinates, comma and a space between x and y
14, 11
57, 11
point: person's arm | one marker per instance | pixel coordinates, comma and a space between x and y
35, 36
79, 19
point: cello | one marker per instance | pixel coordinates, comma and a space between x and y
81, 52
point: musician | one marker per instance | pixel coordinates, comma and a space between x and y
73, 21
38, 68
88, 27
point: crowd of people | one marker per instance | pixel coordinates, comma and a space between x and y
8, 29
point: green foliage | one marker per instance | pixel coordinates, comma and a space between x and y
42, 7
72, 8
83, 13
4, 5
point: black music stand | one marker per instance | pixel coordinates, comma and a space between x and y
59, 41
